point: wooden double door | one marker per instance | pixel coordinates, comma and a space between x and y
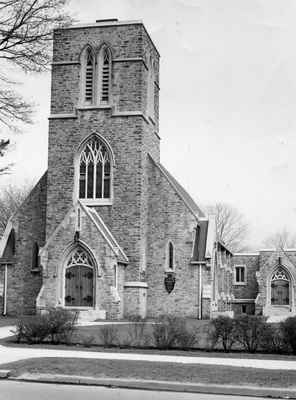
79, 286
280, 293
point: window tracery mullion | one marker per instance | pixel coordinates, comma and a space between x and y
103, 179
95, 180
86, 179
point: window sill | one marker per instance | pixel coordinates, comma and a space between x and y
240, 283
93, 107
96, 202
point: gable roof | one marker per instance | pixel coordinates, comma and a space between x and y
99, 224
103, 229
183, 194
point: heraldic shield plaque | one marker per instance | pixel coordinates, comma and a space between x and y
169, 282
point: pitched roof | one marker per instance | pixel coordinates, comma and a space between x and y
103, 229
185, 196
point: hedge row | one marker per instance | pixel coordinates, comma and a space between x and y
253, 334
248, 333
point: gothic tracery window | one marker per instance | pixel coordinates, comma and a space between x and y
95, 171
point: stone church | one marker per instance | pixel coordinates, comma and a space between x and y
107, 230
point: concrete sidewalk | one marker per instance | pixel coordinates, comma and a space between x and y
10, 354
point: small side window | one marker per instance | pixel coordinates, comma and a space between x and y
240, 274
35, 256
170, 257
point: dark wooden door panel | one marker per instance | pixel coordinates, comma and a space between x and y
79, 286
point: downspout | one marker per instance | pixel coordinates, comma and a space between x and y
200, 295
5, 291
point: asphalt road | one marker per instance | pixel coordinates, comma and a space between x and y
41, 391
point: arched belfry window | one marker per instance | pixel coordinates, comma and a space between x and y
95, 171
280, 287
79, 279
104, 75
89, 73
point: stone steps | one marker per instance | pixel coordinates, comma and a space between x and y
90, 315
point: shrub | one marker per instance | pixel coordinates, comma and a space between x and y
88, 340
108, 335
33, 329
187, 338
272, 339
223, 331
288, 329
61, 325
55, 325
249, 330
171, 332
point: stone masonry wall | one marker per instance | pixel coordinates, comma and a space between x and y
250, 289
169, 220
268, 262
129, 136
53, 274
24, 285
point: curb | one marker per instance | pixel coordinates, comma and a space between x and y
4, 373
167, 386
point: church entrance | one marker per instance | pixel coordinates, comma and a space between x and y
79, 280
280, 288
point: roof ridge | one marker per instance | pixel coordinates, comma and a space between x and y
180, 190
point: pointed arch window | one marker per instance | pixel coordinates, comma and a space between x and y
95, 171
35, 256
280, 288
170, 257
104, 81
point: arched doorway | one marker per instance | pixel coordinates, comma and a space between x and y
280, 288
79, 279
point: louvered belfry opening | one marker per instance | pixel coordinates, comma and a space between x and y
89, 76
106, 72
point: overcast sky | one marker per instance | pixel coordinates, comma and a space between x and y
227, 102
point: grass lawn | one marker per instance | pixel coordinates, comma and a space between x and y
155, 371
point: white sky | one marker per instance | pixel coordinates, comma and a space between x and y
227, 102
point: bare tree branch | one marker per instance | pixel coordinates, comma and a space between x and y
11, 199
231, 227
281, 240
26, 30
